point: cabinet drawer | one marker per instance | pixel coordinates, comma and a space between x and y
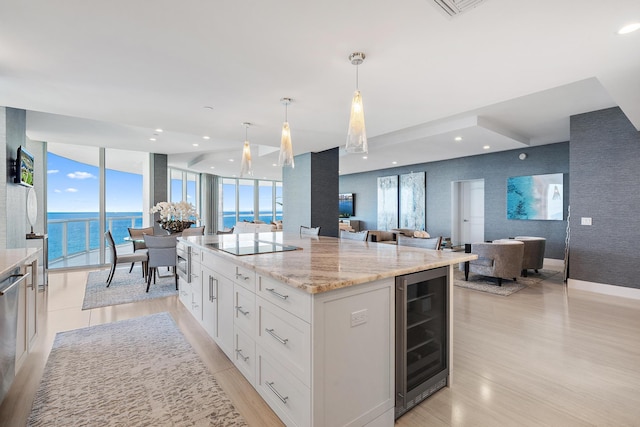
196, 299
244, 310
245, 355
286, 337
244, 276
184, 293
290, 299
285, 394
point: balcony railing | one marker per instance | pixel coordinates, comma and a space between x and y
75, 242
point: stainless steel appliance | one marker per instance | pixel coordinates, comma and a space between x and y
422, 359
9, 286
183, 261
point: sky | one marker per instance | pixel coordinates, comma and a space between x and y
74, 187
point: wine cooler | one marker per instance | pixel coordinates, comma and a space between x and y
421, 336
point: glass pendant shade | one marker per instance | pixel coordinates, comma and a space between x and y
357, 134
286, 149
245, 165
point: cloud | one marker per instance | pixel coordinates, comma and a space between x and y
80, 175
71, 190
53, 171
57, 191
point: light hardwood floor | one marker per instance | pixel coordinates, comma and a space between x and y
540, 357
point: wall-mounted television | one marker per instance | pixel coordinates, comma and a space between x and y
346, 205
24, 168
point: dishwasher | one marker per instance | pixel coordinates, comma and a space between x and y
9, 288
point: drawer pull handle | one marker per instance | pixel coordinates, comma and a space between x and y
240, 276
284, 297
212, 279
272, 388
239, 353
283, 341
239, 308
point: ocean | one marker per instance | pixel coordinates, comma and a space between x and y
83, 229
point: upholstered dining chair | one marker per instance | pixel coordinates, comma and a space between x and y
418, 242
354, 235
309, 231
162, 253
193, 231
138, 242
139, 256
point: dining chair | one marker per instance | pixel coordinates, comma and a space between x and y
354, 235
193, 231
139, 256
162, 253
418, 242
138, 243
309, 231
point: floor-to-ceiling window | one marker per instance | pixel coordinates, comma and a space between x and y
248, 200
184, 186
87, 185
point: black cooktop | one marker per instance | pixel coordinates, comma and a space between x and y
241, 247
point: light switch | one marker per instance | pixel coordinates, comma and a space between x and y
585, 221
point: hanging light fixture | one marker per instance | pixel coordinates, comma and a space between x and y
357, 135
286, 149
245, 165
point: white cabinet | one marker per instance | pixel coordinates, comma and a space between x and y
305, 354
27, 313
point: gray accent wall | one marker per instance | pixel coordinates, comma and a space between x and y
159, 181
605, 184
310, 192
494, 169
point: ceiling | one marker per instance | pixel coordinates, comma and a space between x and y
505, 74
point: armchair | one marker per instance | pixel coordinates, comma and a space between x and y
533, 257
500, 259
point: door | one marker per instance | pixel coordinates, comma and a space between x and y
468, 212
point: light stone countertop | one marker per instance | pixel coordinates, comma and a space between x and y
11, 258
326, 263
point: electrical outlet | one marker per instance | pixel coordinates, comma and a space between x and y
585, 221
359, 317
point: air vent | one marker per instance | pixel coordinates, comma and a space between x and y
456, 7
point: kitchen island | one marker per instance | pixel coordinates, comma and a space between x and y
309, 321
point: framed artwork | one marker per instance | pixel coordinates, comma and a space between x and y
387, 202
413, 201
535, 197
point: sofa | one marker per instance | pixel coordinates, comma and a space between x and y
501, 259
252, 227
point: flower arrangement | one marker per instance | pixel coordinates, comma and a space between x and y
175, 217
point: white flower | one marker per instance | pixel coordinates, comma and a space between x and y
181, 211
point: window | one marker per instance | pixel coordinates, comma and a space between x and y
248, 200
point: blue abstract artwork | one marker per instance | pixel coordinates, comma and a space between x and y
535, 197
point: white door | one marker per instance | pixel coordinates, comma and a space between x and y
468, 212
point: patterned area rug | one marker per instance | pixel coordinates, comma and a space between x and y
490, 284
138, 372
125, 287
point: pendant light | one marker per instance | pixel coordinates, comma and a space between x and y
245, 165
357, 135
286, 149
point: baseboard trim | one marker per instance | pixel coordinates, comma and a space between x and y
601, 288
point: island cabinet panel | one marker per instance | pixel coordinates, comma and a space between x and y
245, 310
210, 301
353, 353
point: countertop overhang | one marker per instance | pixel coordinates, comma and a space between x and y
327, 263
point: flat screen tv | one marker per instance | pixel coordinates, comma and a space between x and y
24, 168
346, 205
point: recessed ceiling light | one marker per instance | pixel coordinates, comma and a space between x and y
231, 160
152, 139
208, 107
394, 163
212, 167
629, 28
159, 130
274, 164
486, 147
206, 137
458, 138
365, 157
195, 145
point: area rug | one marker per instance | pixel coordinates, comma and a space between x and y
490, 284
137, 372
125, 288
